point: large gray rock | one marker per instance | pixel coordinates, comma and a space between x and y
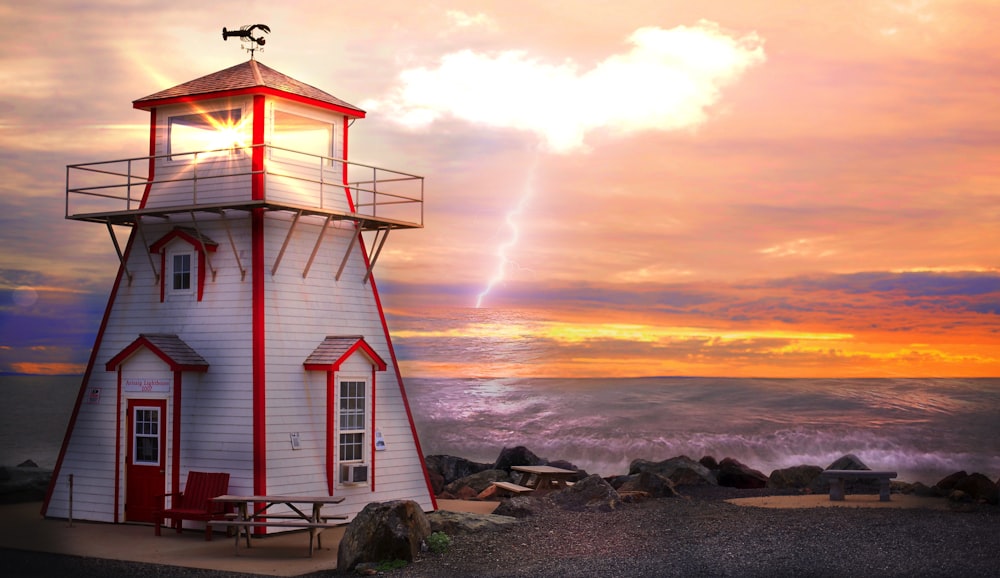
477, 482
592, 494
978, 487
521, 507
651, 483
517, 456
795, 477
383, 531
733, 474
455, 523
682, 471
452, 468
848, 462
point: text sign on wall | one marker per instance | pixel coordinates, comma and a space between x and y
148, 384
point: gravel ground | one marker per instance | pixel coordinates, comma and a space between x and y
698, 535
704, 536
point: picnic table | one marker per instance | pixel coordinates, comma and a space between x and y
544, 477
304, 512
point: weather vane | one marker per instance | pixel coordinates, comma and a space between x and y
245, 34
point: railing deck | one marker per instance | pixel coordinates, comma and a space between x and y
112, 191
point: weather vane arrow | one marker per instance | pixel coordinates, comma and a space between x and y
246, 35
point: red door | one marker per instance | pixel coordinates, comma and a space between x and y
145, 466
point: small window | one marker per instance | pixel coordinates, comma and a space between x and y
211, 134
181, 273
147, 437
351, 440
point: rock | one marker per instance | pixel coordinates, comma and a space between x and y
795, 477
959, 496
978, 487
591, 494
452, 468
23, 484
947, 483
709, 462
580, 474
437, 481
682, 471
848, 462
477, 482
516, 456
649, 483
733, 474
383, 531
455, 523
520, 507
921, 490
27, 464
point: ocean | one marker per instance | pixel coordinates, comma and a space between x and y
923, 428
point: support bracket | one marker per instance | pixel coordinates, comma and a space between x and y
288, 237
350, 247
374, 256
118, 250
319, 241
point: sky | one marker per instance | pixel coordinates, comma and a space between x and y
745, 189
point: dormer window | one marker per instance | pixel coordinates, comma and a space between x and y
183, 261
180, 272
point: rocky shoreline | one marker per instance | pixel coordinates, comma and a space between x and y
455, 477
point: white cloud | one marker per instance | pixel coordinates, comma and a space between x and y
666, 81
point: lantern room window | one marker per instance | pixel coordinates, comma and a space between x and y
301, 134
211, 134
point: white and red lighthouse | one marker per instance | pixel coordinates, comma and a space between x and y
244, 332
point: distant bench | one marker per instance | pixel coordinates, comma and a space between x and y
516, 489
838, 477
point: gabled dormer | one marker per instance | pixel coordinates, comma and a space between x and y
183, 262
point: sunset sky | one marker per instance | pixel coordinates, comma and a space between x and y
715, 188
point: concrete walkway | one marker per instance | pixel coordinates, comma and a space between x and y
287, 554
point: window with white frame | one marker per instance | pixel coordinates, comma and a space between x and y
351, 420
146, 437
180, 276
301, 138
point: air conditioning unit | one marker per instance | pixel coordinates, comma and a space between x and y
353, 473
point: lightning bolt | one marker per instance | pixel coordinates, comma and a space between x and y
503, 261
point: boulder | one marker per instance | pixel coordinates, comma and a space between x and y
580, 474
921, 490
978, 487
733, 474
649, 483
709, 462
682, 471
948, 482
520, 507
391, 530
452, 468
848, 462
437, 481
516, 456
477, 482
24, 483
591, 494
455, 523
795, 477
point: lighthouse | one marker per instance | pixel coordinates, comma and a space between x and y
244, 332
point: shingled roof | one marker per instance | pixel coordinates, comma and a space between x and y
242, 77
337, 348
168, 347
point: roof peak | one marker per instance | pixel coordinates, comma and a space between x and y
245, 76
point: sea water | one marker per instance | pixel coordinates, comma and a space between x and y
923, 428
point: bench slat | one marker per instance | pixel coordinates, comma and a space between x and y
515, 488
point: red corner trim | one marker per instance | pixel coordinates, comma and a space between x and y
372, 450
118, 444
175, 460
257, 192
331, 429
152, 157
259, 351
399, 380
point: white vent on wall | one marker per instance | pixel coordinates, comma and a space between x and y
353, 473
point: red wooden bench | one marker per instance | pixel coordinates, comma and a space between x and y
195, 502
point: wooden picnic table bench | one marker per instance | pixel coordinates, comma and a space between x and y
544, 477
315, 520
838, 477
511, 488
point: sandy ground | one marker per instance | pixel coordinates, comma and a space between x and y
286, 554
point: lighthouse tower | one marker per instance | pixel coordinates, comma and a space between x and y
244, 332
